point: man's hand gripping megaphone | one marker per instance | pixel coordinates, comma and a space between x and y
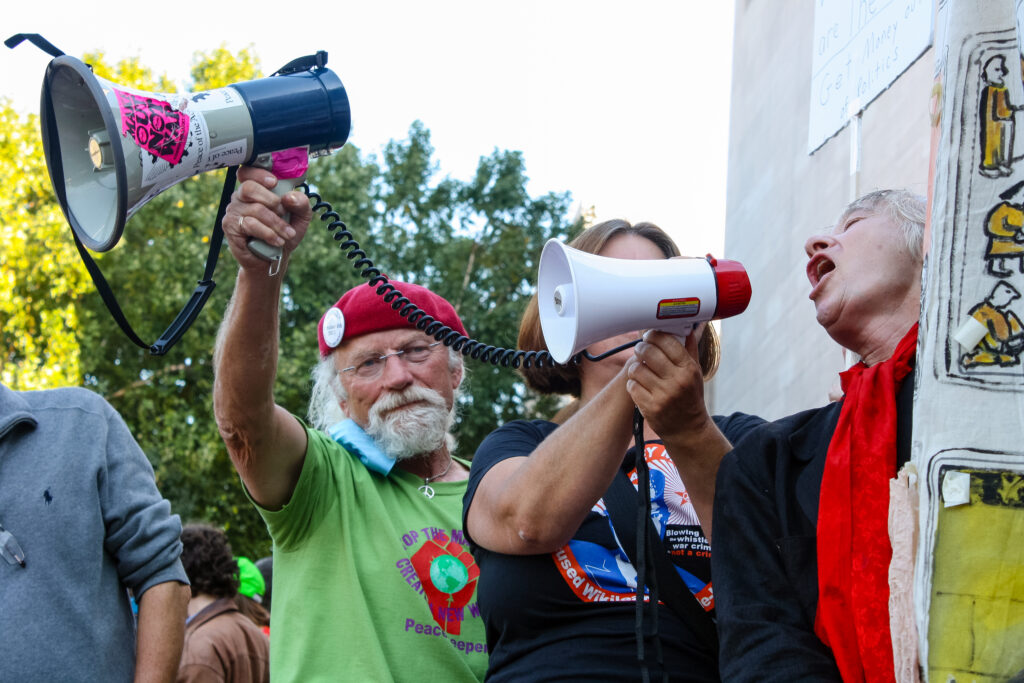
267, 217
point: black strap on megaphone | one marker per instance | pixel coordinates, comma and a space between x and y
307, 63
37, 40
630, 512
195, 303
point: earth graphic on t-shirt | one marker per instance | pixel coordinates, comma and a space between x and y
448, 574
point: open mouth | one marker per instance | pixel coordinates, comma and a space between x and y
817, 268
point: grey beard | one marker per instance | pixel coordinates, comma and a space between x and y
413, 431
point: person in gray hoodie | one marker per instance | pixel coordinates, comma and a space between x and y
81, 524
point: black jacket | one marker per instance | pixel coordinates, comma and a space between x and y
764, 547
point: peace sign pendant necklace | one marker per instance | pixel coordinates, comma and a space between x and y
428, 490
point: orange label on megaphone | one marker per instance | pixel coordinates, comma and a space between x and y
678, 308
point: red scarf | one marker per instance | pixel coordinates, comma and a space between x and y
853, 509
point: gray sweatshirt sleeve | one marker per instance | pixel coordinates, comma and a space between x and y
142, 535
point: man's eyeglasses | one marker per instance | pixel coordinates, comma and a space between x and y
372, 366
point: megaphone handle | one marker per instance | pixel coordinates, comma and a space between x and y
266, 251
284, 185
683, 337
682, 332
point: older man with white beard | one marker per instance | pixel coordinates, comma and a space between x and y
371, 579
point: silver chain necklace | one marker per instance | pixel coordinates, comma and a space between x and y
428, 490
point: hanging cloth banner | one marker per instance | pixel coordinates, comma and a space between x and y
969, 406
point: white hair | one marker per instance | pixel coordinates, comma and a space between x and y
906, 209
328, 392
324, 401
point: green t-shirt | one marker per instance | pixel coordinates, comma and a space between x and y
372, 580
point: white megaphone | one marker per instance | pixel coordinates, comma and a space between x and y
585, 298
110, 149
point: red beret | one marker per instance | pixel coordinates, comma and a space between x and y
361, 310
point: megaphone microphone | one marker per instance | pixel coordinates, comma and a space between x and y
584, 298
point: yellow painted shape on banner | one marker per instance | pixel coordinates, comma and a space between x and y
976, 625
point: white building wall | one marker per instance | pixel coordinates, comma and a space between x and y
776, 359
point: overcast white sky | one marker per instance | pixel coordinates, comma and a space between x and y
626, 105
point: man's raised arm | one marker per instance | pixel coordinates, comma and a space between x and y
265, 442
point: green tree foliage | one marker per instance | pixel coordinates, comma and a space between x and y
476, 242
221, 67
41, 279
129, 72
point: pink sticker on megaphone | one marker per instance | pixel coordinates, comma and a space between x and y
290, 163
155, 125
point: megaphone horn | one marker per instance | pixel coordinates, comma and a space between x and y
110, 149
585, 298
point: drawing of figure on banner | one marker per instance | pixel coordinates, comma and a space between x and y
1004, 338
996, 120
1004, 226
985, 241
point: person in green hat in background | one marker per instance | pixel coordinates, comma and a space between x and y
266, 567
251, 589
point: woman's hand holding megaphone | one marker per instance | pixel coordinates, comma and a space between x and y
255, 212
665, 381
666, 384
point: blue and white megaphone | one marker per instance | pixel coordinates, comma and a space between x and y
110, 149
